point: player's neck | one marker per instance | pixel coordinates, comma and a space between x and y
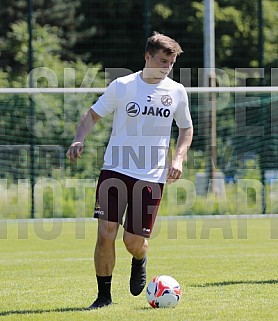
149, 78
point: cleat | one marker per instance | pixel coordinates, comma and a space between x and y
138, 276
100, 302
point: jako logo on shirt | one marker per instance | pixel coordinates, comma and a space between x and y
133, 109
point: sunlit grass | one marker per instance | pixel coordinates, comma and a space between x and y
226, 273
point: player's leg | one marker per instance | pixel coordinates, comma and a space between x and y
137, 246
104, 256
104, 259
109, 209
143, 203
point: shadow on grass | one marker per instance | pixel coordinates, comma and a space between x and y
22, 312
224, 283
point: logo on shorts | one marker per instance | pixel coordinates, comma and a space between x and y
146, 230
132, 109
97, 210
166, 100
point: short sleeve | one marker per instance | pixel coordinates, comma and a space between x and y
107, 102
182, 114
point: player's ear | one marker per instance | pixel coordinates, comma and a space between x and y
147, 56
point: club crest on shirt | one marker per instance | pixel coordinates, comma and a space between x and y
166, 100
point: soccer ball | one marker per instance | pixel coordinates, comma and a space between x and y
163, 292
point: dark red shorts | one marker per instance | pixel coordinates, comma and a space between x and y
118, 194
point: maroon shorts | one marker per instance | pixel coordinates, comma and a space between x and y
117, 194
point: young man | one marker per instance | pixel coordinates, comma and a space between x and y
136, 166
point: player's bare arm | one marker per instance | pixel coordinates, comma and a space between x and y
84, 127
183, 144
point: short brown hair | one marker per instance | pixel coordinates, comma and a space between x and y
159, 41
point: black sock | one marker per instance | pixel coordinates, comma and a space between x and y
104, 286
139, 262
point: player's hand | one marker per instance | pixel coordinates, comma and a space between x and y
174, 172
75, 150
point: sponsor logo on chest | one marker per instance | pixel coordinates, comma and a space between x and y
133, 109
156, 111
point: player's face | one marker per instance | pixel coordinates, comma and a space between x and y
159, 65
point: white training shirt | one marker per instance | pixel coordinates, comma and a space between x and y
143, 116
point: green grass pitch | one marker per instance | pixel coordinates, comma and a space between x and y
227, 268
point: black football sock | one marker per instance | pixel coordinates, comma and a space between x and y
104, 286
139, 262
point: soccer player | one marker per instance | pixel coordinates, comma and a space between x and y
136, 163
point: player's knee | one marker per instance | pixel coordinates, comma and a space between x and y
104, 241
107, 232
133, 244
131, 248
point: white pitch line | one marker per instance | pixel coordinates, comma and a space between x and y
162, 218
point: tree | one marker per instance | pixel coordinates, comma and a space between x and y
93, 31
64, 16
113, 36
56, 115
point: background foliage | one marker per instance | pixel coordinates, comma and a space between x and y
102, 31
76, 41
